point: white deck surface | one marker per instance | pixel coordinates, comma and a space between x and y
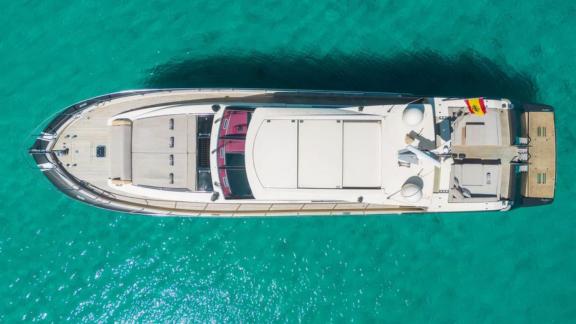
320, 154
276, 156
341, 154
362, 154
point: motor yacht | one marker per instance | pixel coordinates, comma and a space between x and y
230, 152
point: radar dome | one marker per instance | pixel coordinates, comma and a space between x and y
412, 115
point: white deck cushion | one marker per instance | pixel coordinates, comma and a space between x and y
121, 151
362, 165
152, 150
275, 153
154, 169
475, 134
320, 154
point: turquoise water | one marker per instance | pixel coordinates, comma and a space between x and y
62, 260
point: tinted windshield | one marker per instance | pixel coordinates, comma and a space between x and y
203, 176
231, 146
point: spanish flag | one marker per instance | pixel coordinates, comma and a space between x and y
476, 106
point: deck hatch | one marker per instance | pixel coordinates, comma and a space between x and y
275, 154
320, 154
339, 154
100, 151
361, 155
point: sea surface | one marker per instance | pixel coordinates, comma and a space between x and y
61, 260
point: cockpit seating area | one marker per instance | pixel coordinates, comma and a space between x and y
472, 130
475, 182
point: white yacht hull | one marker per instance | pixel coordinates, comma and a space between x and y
78, 153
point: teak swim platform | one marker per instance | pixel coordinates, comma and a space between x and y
229, 152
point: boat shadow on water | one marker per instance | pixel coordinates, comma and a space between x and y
421, 73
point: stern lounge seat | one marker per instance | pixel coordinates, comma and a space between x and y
475, 182
472, 130
164, 152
